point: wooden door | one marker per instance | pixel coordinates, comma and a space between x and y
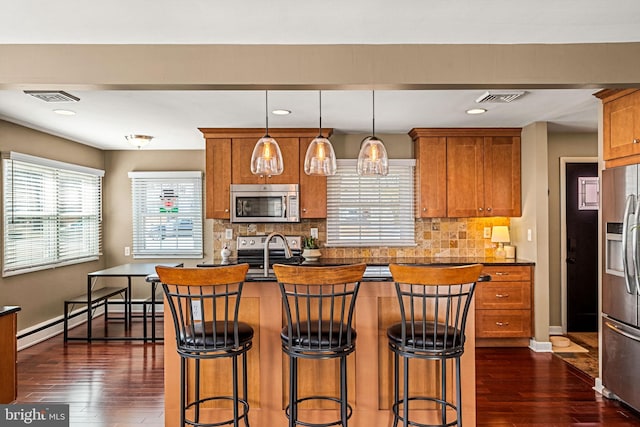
502, 186
313, 189
218, 178
465, 176
431, 159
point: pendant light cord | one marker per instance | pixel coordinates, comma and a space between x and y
266, 112
320, 124
373, 112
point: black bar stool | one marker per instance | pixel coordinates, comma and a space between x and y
434, 303
318, 305
205, 303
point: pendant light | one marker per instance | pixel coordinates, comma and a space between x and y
373, 159
266, 158
320, 158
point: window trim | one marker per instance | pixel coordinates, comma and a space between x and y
168, 176
49, 166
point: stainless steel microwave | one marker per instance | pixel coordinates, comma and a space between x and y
265, 203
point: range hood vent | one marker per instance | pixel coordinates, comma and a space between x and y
52, 95
499, 97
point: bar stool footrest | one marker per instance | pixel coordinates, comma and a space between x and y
244, 414
309, 424
395, 408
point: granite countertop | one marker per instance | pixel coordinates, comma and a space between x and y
381, 273
8, 309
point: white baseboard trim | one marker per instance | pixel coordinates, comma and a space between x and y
598, 386
56, 326
555, 330
540, 346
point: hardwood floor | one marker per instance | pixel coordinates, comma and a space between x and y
120, 384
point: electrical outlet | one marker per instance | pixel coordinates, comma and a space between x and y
314, 233
127, 251
487, 232
228, 233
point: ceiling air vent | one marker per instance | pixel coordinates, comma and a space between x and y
499, 97
52, 95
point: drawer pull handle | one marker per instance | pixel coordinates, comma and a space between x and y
502, 323
501, 273
502, 295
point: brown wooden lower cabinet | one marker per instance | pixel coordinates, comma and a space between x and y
8, 354
504, 306
370, 367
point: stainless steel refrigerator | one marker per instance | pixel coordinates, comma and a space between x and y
621, 284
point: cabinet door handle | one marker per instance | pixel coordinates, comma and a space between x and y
636, 140
304, 209
488, 209
502, 323
424, 209
480, 209
226, 210
502, 295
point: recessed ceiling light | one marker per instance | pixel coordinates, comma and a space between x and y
281, 112
476, 111
65, 112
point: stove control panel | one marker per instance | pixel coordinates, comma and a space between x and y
257, 242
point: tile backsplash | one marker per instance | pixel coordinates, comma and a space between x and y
435, 237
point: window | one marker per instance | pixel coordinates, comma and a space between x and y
167, 214
51, 213
371, 210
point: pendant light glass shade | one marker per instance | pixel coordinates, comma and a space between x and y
266, 158
320, 158
372, 158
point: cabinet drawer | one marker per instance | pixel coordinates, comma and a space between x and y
508, 274
503, 323
503, 295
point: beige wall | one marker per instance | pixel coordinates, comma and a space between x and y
41, 294
561, 145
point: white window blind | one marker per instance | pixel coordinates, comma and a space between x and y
167, 214
371, 210
52, 213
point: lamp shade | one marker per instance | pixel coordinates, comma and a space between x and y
500, 234
320, 158
266, 158
139, 140
373, 159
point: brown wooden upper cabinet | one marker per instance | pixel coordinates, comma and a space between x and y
472, 172
621, 126
228, 161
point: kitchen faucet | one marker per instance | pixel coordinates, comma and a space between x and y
287, 250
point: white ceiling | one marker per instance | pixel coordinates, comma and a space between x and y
172, 117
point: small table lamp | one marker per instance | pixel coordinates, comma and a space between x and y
500, 235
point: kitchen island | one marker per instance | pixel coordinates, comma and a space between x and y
370, 367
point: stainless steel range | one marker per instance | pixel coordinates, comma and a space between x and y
251, 249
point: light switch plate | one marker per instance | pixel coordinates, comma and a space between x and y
127, 251
228, 233
314, 233
487, 232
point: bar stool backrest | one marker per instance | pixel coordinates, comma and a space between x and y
318, 304
434, 304
204, 304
